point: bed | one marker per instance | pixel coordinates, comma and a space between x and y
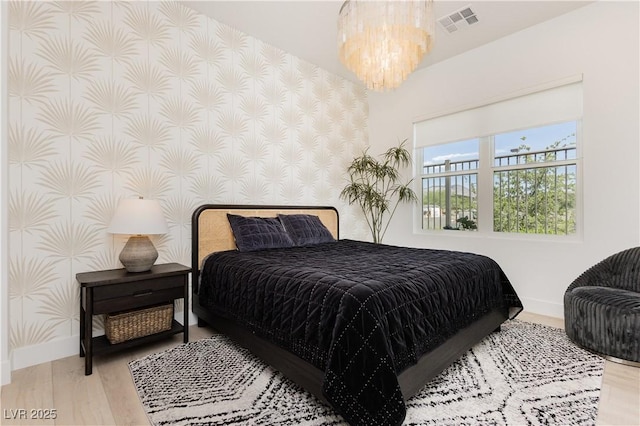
361, 326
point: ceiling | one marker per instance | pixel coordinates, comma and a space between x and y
307, 29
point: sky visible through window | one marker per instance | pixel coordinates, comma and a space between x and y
537, 139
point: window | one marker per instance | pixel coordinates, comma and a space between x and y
534, 180
479, 174
449, 185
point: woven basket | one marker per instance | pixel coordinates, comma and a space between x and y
125, 326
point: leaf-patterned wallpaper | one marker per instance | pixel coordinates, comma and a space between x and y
119, 99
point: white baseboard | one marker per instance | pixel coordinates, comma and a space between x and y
193, 319
45, 352
53, 350
543, 307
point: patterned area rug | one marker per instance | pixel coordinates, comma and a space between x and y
525, 374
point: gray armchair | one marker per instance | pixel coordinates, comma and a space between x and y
602, 307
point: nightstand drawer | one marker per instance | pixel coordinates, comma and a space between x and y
137, 288
138, 300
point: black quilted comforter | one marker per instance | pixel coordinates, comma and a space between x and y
361, 312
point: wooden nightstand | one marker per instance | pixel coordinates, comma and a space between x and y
116, 290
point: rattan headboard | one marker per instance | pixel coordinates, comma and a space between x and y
211, 231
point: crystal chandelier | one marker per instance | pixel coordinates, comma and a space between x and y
382, 42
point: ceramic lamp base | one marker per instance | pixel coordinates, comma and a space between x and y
139, 254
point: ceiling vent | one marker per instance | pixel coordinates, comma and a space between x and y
459, 20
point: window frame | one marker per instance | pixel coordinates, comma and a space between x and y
485, 189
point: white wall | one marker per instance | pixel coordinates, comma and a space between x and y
599, 41
5, 362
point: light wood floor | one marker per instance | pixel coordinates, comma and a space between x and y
108, 397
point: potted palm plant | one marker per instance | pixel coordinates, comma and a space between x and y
374, 186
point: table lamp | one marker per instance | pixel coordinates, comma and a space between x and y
138, 217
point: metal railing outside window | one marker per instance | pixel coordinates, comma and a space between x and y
451, 196
527, 181
530, 196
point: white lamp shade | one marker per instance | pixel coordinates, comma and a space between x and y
137, 216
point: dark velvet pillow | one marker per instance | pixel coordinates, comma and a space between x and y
305, 229
258, 233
